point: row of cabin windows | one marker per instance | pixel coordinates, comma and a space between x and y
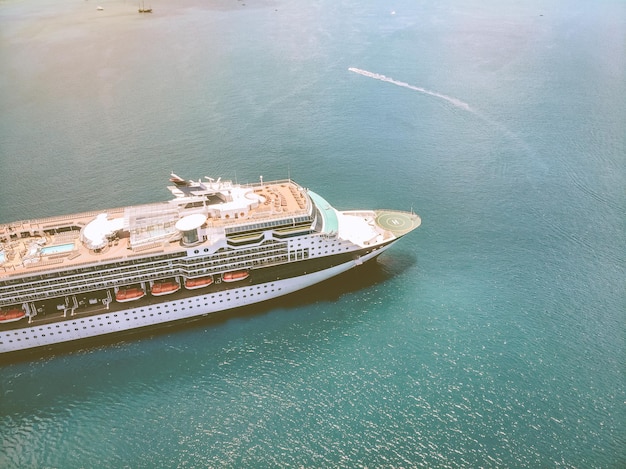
109, 318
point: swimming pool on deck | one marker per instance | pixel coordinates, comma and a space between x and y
57, 249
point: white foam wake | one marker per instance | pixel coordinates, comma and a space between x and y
377, 76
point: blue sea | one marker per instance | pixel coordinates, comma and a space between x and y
494, 336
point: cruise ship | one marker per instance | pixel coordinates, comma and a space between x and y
215, 246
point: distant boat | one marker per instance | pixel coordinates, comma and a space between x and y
99, 8
143, 9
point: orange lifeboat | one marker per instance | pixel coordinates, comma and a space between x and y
11, 315
235, 276
201, 282
164, 287
126, 294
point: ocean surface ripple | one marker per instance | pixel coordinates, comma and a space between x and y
494, 336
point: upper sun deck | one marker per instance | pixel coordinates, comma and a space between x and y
216, 207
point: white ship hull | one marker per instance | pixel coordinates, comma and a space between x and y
75, 277
108, 323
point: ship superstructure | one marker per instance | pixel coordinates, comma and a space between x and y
215, 246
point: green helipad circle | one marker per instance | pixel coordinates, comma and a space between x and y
397, 222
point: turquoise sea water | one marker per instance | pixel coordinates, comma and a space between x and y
493, 336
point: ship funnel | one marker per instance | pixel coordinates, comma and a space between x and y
189, 226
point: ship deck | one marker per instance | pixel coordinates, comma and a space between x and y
54, 243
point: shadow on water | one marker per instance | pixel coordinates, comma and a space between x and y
214, 348
327, 292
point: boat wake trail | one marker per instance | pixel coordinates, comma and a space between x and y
501, 128
457, 103
377, 76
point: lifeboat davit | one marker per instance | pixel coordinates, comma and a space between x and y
11, 315
165, 287
235, 276
195, 283
124, 295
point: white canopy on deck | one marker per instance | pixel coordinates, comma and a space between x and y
96, 233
